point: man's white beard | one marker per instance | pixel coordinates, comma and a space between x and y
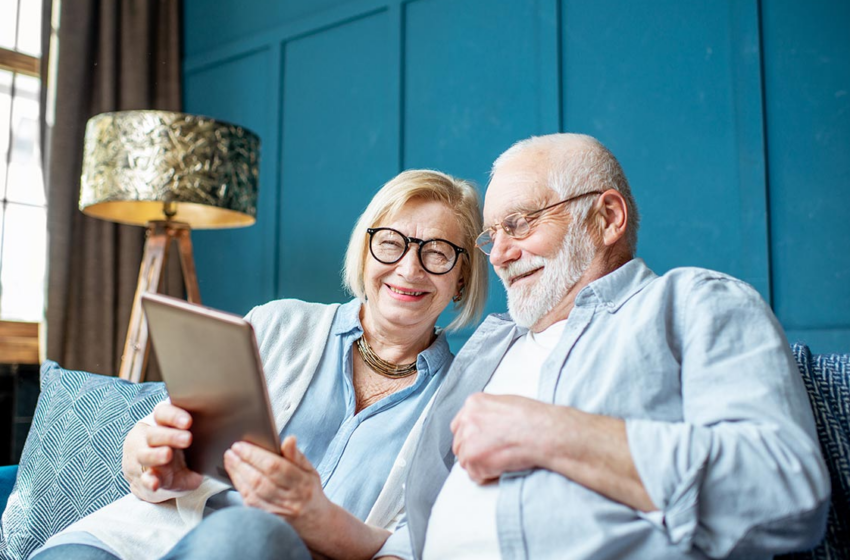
529, 303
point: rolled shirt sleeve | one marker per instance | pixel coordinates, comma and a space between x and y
743, 470
398, 544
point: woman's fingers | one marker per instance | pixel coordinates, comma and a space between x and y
159, 436
268, 481
155, 456
275, 467
150, 480
254, 486
289, 450
166, 414
263, 472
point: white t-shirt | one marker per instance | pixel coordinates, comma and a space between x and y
463, 519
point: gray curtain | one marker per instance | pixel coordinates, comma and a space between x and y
112, 55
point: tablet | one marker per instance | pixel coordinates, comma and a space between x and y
211, 367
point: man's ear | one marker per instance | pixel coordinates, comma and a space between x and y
612, 217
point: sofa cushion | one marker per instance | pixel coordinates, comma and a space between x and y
827, 379
71, 462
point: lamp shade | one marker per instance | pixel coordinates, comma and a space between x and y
144, 166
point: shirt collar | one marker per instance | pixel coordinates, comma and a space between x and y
348, 318
430, 360
617, 287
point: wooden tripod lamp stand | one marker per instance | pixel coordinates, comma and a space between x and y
170, 172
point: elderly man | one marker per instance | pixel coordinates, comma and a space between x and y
615, 413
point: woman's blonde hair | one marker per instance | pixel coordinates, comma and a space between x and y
461, 198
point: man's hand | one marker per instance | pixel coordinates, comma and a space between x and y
494, 434
153, 461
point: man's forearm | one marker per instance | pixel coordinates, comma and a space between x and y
494, 434
592, 450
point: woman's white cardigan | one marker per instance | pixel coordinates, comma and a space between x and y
292, 336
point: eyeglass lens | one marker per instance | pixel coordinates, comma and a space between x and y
436, 256
515, 225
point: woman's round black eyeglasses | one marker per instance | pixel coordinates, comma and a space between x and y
437, 256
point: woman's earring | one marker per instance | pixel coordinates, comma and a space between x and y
459, 295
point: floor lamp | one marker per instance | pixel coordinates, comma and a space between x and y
169, 172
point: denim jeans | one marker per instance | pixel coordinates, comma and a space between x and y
233, 532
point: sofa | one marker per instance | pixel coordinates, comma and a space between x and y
71, 463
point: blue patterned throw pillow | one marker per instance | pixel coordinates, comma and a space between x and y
827, 379
71, 463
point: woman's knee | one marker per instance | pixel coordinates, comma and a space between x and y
241, 532
248, 522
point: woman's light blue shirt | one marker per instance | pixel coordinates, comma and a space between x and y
353, 453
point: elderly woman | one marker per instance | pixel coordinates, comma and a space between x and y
350, 382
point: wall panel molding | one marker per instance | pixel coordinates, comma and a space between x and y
549, 65
749, 131
275, 152
396, 41
316, 23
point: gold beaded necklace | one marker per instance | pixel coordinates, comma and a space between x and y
381, 366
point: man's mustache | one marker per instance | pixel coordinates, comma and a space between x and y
519, 268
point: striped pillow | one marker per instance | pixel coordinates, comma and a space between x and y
71, 463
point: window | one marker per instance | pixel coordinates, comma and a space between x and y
23, 212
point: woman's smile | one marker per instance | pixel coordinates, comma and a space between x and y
405, 294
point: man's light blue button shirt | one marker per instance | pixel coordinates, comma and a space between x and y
718, 423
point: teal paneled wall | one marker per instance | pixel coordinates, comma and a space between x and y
235, 266
731, 119
337, 148
677, 98
467, 99
807, 108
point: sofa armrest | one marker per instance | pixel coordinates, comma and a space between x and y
8, 474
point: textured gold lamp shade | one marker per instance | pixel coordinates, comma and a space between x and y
170, 172
143, 166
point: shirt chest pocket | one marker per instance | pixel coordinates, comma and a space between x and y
624, 384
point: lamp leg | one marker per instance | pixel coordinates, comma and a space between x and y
158, 239
187, 263
134, 359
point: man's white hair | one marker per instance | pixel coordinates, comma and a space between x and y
579, 163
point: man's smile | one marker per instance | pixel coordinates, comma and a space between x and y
520, 277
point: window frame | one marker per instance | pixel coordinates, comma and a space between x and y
20, 63
23, 64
